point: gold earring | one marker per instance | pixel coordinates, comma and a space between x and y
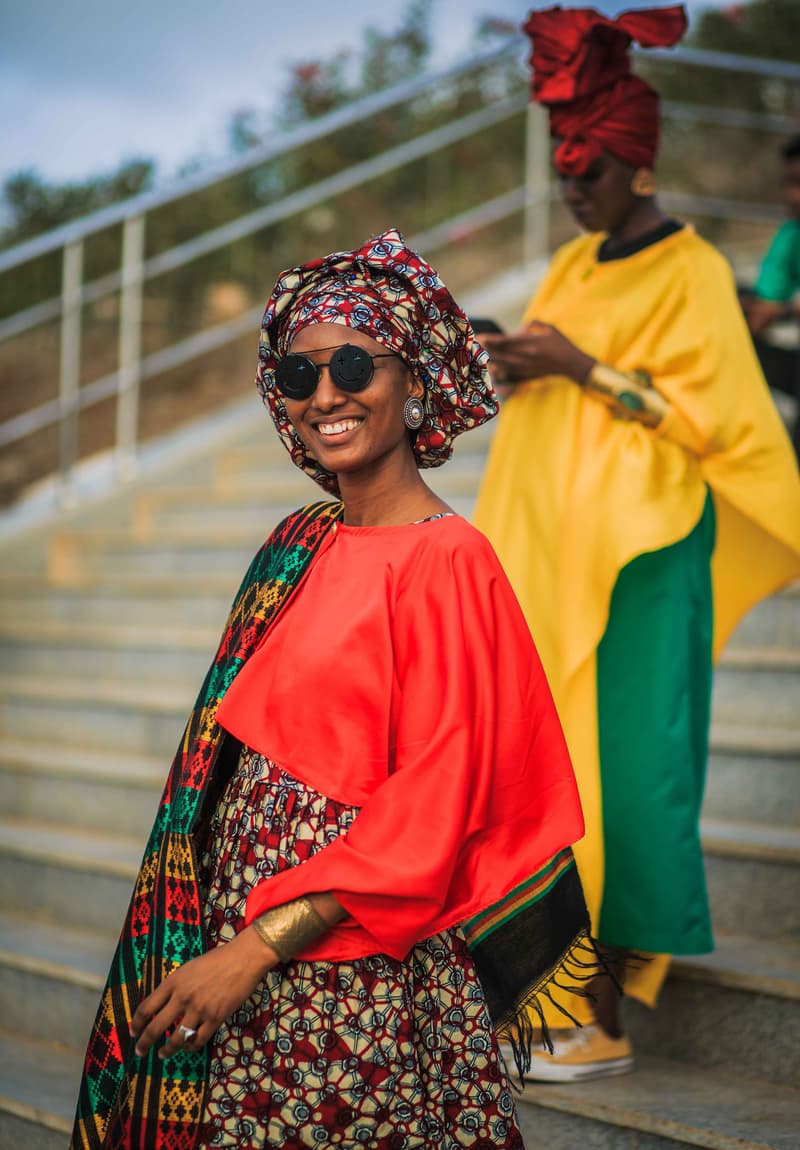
643, 182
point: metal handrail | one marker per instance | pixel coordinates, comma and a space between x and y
342, 118
288, 141
290, 205
237, 229
532, 199
725, 61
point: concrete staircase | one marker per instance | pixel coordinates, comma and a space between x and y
106, 628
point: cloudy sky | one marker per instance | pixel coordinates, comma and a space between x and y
85, 84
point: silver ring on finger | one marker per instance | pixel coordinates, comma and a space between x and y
188, 1032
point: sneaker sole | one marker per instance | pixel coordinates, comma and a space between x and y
564, 1072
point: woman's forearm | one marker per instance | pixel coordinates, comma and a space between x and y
290, 928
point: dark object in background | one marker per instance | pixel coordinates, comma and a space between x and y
483, 326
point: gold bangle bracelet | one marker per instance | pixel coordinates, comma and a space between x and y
631, 396
290, 928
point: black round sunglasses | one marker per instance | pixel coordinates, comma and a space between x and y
351, 368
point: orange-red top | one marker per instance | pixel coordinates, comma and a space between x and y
403, 679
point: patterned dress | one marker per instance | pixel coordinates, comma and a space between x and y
370, 1053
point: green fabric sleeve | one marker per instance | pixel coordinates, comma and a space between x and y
779, 275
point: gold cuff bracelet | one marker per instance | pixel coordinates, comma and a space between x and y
290, 928
629, 395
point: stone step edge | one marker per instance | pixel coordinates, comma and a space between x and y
35, 1049
719, 973
58, 632
560, 1097
772, 742
102, 636
551, 1099
162, 698
681, 969
88, 764
69, 855
35, 1115
685, 970
732, 838
179, 586
59, 972
725, 736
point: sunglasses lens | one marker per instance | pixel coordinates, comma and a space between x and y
351, 367
296, 376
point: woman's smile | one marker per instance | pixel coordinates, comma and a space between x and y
338, 430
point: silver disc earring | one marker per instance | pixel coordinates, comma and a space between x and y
413, 413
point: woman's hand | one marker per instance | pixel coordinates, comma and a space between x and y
202, 993
535, 351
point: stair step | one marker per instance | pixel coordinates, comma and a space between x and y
95, 788
752, 874
113, 650
52, 978
774, 620
49, 867
753, 775
141, 717
38, 1090
751, 840
663, 1105
758, 685
737, 1009
763, 966
101, 553
196, 597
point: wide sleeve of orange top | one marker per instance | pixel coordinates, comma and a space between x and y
480, 789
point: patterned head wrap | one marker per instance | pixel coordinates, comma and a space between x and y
393, 295
582, 74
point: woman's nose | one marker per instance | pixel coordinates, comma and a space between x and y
327, 395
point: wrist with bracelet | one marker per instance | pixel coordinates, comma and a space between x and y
290, 928
630, 395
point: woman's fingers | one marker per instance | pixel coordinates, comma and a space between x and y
150, 1006
186, 1034
158, 1025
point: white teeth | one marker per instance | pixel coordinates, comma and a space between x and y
337, 428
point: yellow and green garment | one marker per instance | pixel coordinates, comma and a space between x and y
634, 553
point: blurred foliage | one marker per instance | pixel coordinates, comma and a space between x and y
695, 157
768, 28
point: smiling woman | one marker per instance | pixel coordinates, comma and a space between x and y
372, 802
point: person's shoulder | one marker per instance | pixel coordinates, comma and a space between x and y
304, 525
454, 540
578, 250
698, 259
786, 239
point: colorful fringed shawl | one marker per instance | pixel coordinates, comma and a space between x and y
127, 1103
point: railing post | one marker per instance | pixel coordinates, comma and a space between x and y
69, 367
536, 244
130, 347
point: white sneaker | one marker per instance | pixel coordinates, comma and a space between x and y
578, 1053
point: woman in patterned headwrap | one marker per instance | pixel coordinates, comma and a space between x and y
372, 803
639, 439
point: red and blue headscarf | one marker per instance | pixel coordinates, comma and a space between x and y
393, 295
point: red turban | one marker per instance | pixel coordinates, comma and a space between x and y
582, 73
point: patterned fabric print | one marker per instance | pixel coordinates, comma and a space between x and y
390, 292
376, 1053
149, 1104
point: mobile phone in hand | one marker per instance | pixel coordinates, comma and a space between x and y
483, 326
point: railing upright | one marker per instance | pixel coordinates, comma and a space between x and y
536, 236
130, 347
70, 365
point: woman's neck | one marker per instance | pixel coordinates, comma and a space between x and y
644, 218
389, 494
